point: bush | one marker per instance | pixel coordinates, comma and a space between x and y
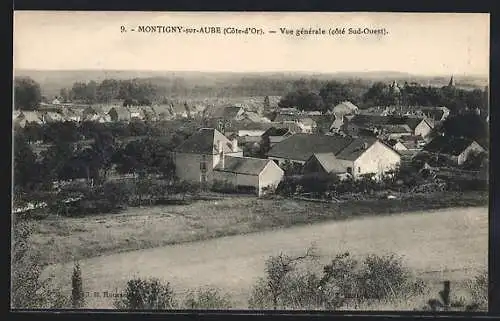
478, 290
383, 277
207, 299
278, 289
146, 294
344, 281
223, 187
28, 289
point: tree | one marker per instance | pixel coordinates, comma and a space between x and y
27, 93
379, 94
303, 99
28, 289
279, 275
147, 294
77, 296
26, 173
334, 93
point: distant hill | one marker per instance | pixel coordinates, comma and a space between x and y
226, 83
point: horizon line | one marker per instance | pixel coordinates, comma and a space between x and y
256, 72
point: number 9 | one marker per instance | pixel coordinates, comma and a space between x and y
122, 28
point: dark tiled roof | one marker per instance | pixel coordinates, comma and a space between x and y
448, 145
285, 117
205, 141
303, 146
355, 148
243, 165
275, 131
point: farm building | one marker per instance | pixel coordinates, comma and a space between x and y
456, 150
355, 156
248, 174
198, 155
253, 130
278, 134
378, 124
228, 113
345, 108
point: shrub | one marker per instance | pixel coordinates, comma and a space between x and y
28, 289
478, 290
275, 290
207, 299
77, 297
146, 294
382, 277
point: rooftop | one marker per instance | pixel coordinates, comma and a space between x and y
243, 165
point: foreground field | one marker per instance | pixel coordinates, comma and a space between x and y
442, 244
61, 239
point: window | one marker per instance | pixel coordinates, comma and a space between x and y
359, 169
349, 170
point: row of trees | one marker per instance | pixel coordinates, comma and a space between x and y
28, 94
65, 160
73, 132
140, 91
332, 93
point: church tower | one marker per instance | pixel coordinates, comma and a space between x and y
452, 82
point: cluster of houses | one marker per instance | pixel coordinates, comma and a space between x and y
105, 113
351, 142
357, 143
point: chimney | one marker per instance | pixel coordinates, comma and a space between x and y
234, 145
365, 145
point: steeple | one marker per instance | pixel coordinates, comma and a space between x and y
452, 82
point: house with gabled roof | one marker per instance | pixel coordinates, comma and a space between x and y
387, 124
345, 108
336, 154
456, 149
277, 134
248, 174
198, 155
228, 113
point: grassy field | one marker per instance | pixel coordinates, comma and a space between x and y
61, 239
437, 245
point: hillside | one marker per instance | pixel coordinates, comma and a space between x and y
193, 83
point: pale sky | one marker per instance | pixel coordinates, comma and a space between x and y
418, 43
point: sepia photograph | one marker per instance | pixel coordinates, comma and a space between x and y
250, 161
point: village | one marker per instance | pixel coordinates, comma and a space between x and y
250, 147
311, 162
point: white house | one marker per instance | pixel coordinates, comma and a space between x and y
456, 149
247, 173
198, 155
337, 154
345, 108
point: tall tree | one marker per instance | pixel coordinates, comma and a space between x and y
27, 93
25, 165
77, 295
335, 92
